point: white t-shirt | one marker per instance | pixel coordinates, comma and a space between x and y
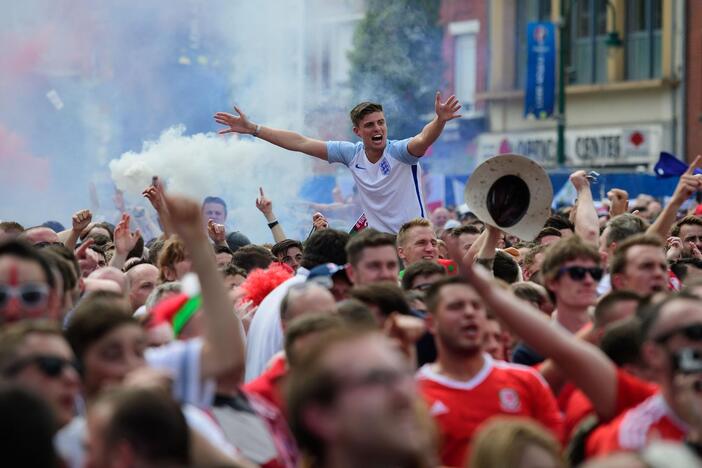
182, 360
265, 337
390, 191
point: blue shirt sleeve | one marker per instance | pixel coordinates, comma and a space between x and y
341, 152
397, 149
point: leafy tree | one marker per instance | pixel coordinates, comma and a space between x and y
396, 61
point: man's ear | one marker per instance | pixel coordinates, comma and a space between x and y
431, 323
357, 131
618, 281
401, 253
351, 273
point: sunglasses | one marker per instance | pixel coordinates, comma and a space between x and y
50, 366
577, 273
30, 295
691, 332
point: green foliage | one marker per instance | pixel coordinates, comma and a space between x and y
396, 61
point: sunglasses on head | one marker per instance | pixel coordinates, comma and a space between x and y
577, 273
51, 366
30, 295
691, 332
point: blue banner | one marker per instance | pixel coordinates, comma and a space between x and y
541, 70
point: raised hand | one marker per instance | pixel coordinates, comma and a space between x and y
236, 123
216, 232
80, 220
618, 202
689, 182
674, 246
264, 205
154, 193
579, 180
448, 110
319, 221
125, 240
87, 258
185, 217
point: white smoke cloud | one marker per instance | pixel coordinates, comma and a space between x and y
209, 164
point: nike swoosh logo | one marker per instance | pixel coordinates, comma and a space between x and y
359, 167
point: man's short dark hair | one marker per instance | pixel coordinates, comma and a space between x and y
150, 422
25, 251
547, 231
218, 249
63, 267
216, 200
559, 222
689, 220
610, 301
420, 268
434, 292
305, 325
325, 246
251, 257
155, 251
649, 315
368, 238
680, 267
28, 426
233, 270
505, 267
282, 247
622, 341
388, 297
363, 109
624, 226
95, 316
11, 226
619, 259
468, 229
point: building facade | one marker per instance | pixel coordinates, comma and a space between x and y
623, 104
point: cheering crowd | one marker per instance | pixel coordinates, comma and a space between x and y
417, 340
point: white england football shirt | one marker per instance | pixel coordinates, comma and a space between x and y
389, 190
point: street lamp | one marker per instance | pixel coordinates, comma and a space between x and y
613, 40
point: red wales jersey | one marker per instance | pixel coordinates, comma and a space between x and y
499, 388
633, 430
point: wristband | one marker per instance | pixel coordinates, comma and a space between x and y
273, 224
258, 129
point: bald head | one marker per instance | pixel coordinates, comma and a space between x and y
39, 234
306, 298
112, 274
142, 278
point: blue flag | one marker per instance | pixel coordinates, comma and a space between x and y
541, 70
670, 166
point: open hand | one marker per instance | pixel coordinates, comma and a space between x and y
619, 202
125, 240
446, 111
236, 124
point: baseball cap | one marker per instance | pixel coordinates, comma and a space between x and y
324, 273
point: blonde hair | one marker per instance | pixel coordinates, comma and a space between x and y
416, 222
503, 440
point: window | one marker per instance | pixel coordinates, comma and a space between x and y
643, 39
527, 11
588, 50
465, 60
465, 63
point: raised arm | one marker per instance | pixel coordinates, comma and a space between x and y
689, 183
583, 363
125, 241
79, 221
586, 221
284, 138
223, 349
265, 206
445, 111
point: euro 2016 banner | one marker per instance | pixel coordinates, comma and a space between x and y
541, 70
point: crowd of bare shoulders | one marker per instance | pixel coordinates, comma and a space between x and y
448, 343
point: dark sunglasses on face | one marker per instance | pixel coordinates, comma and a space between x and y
30, 295
51, 366
691, 332
577, 273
